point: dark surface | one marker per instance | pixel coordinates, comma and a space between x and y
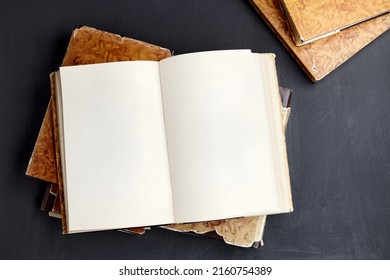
338, 137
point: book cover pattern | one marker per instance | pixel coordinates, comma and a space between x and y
312, 18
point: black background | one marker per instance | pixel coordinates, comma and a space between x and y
338, 136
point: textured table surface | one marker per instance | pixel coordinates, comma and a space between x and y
338, 137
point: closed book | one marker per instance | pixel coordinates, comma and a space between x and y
320, 58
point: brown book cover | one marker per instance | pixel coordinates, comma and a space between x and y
42, 164
320, 58
311, 20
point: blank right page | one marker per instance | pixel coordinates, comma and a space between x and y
218, 135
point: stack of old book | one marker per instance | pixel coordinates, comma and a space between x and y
104, 141
322, 35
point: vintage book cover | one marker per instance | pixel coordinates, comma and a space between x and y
311, 20
42, 163
320, 58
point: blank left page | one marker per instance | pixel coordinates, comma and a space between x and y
116, 171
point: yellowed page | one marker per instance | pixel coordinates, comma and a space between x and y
114, 146
218, 136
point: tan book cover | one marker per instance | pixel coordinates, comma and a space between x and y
311, 20
320, 58
42, 164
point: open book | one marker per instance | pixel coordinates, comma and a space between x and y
193, 137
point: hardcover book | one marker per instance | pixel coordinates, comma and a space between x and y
88, 45
321, 57
171, 141
311, 20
